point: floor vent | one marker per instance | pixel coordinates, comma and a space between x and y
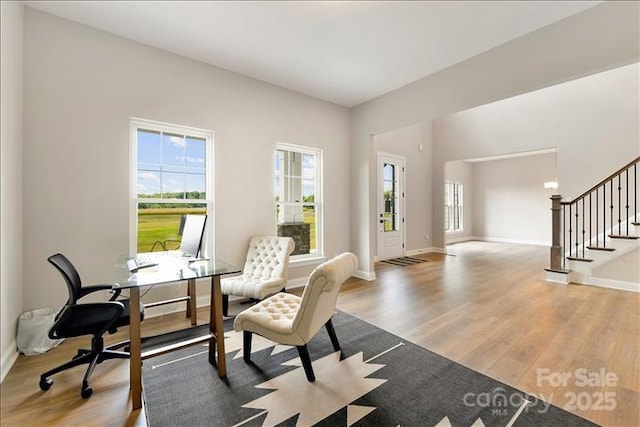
404, 261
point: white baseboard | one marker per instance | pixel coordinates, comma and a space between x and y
365, 275
509, 240
453, 239
606, 283
9, 357
422, 251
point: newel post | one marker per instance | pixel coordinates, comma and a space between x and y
556, 247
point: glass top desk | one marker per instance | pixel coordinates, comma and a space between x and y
172, 269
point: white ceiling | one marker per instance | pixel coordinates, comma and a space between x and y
342, 52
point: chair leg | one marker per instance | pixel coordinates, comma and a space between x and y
306, 362
96, 355
246, 347
108, 354
85, 358
86, 391
225, 305
119, 345
332, 335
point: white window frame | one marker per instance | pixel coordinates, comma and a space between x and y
137, 123
450, 206
318, 200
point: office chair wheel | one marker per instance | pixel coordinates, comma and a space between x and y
45, 384
86, 392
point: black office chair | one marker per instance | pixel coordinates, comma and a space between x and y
76, 319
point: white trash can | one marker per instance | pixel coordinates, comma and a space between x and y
33, 331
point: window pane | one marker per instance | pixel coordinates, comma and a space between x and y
174, 168
148, 183
173, 149
388, 189
447, 214
388, 172
308, 190
278, 160
294, 164
278, 190
390, 216
195, 186
159, 224
148, 150
310, 218
173, 185
308, 166
293, 189
195, 153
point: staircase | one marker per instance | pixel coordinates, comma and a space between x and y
596, 236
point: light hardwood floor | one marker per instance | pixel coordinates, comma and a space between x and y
484, 305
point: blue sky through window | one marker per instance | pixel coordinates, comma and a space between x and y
170, 163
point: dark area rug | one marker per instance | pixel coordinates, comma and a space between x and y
404, 261
380, 380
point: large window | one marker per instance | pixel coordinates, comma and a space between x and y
453, 206
298, 185
171, 177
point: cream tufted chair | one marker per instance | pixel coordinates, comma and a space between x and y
265, 271
292, 320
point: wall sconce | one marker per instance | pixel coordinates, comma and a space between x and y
551, 185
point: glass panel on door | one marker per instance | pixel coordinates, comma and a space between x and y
390, 197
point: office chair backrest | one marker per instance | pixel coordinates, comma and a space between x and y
192, 234
70, 275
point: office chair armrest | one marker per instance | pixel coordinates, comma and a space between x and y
86, 290
116, 292
82, 319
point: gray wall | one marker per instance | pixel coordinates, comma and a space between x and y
11, 251
510, 202
592, 122
82, 86
560, 52
404, 142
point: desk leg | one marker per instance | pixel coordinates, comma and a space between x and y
188, 311
216, 326
191, 304
135, 367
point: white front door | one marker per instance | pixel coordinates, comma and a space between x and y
390, 206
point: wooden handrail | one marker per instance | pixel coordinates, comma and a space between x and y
604, 181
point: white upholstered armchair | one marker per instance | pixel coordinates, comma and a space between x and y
291, 320
265, 271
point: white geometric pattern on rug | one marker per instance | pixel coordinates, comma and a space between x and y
446, 423
233, 342
338, 383
355, 413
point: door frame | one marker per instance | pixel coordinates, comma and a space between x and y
402, 161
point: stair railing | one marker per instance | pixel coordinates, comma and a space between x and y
605, 210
